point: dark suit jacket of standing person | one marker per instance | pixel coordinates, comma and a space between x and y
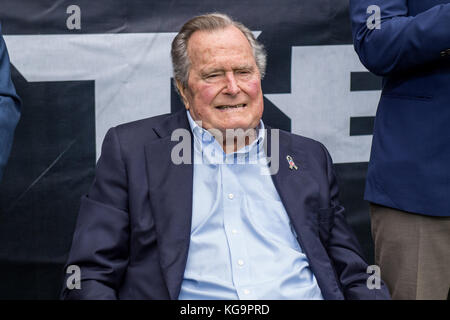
9, 106
133, 229
409, 166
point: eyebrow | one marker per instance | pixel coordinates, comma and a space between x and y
214, 70
209, 71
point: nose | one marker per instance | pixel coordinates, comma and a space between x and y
232, 87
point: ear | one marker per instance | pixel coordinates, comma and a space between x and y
182, 90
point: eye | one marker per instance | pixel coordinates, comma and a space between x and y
243, 72
212, 76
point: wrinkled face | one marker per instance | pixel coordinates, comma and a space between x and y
224, 86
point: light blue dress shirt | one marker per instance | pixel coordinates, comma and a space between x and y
242, 244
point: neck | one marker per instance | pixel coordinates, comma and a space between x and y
233, 140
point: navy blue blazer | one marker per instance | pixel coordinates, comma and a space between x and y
9, 107
409, 166
133, 230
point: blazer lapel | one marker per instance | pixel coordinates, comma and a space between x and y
299, 192
295, 187
170, 193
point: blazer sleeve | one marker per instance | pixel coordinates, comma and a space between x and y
9, 107
403, 41
100, 246
345, 252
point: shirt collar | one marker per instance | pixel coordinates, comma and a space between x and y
205, 138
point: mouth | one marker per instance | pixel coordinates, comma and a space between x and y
236, 106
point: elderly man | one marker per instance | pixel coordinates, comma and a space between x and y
9, 107
223, 227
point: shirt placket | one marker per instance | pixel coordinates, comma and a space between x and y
232, 202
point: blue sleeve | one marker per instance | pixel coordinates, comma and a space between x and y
344, 249
102, 233
403, 41
9, 107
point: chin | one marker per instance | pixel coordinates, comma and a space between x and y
240, 124
243, 126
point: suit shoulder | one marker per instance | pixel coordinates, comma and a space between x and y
304, 143
140, 131
142, 124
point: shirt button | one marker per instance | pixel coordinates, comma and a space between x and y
246, 291
230, 196
234, 231
241, 262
